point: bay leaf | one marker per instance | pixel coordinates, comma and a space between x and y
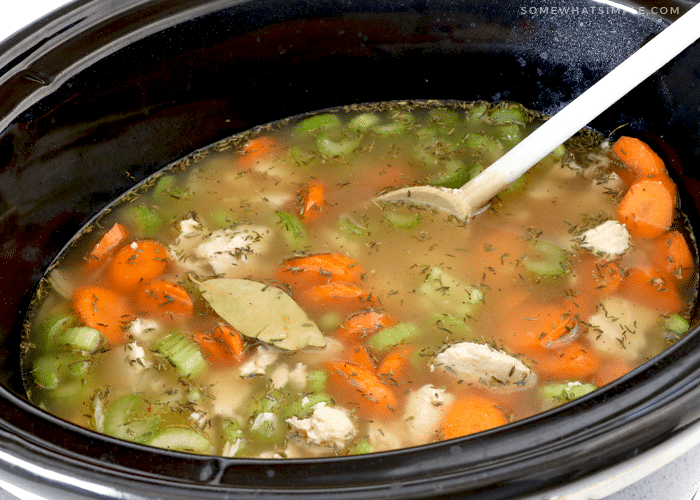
263, 312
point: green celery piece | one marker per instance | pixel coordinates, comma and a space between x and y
82, 338
454, 325
362, 447
545, 259
124, 419
294, 231
146, 221
180, 438
304, 406
478, 110
444, 116
364, 122
182, 353
316, 123
316, 381
455, 174
477, 140
386, 338
677, 324
507, 112
233, 434
401, 220
219, 219
300, 156
450, 296
342, 147
266, 425
47, 333
351, 228
53, 370
162, 188
566, 391
509, 134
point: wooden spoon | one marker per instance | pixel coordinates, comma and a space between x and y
475, 194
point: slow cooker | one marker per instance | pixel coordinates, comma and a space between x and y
102, 93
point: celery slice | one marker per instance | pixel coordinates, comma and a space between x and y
50, 330
342, 147
566, 391
294, 231
180, 439
304, 406
386, 338
677, 324
316, 381
362, 447
448, 295
545, 259
182, 353
82, 338
363, 122
315, 123
122, 422
400, 220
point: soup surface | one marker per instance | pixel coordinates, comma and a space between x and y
254, 300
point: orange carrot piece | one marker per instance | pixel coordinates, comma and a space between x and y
649, 287
339, 296
472, 414
312, 198
213, 348
596, 278
539, 328
672, 256
647, 208
103, 310
394, 366
232, 338
572, 362
362, 324
138, 263
320, 268
357, 386
222, 346
358, 354
610, 371
110, 242
256, 149
637, 156
166, 300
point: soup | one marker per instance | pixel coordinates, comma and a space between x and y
255, 300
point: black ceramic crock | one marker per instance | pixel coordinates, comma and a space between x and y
103, 93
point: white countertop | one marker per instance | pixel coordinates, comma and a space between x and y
24, 12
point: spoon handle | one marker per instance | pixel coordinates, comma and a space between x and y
579, 112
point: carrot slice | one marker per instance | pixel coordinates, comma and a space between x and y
672, 255
610, 371
108, 244
572, 362
231, 337
257, 149
166, 300
540, 328
358, 354
339, 296
214, 349
362, 388
312, 198
362, 324
472, 414
138, 263
638, 157
103, 310
394, 366
222, 346
649, 287
595, 278
647, 208
320, 268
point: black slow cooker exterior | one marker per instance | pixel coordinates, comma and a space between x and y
105, 92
